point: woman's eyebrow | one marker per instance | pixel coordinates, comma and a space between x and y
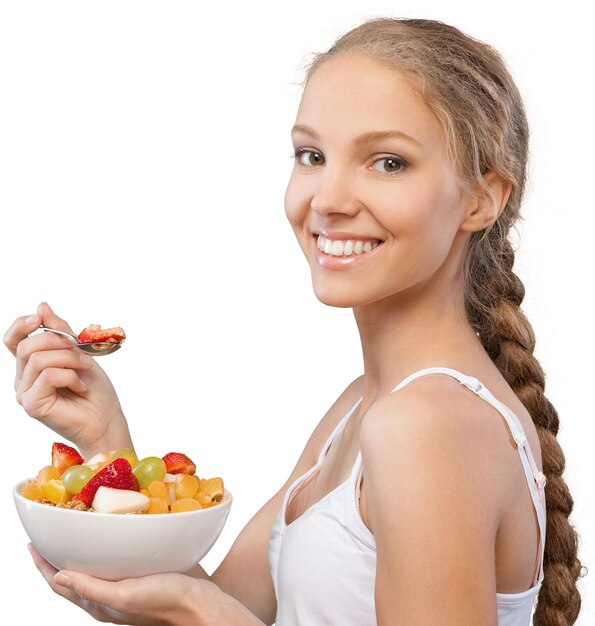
362, 139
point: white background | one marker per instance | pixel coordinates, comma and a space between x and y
144, 155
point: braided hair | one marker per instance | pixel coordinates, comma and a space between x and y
467, 85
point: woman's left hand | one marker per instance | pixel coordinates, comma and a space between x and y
156, 600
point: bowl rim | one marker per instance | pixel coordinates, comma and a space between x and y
225, 503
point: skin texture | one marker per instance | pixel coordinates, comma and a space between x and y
451, 512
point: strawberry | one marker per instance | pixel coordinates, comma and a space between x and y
64, 456
94, 334
117, 475
178, 463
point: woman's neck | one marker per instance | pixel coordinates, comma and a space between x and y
418, 331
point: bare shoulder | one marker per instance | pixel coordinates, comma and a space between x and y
434, 500
435, 431
434, 402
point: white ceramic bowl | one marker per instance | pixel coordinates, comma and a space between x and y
114, 546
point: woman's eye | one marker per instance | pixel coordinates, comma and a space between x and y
392, 165
308, 157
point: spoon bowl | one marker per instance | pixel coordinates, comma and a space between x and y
98, 348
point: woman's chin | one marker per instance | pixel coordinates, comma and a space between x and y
336, 297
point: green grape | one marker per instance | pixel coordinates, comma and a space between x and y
76, 477
149, 469
125, 453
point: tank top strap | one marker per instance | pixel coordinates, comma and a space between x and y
535, 479
476, 386
338, 428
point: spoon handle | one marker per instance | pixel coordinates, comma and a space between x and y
59, 332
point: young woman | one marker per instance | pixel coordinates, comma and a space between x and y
421, 497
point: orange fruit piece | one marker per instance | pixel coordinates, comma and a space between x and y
202, 497
157, 506
205, 500
185, 504
55, 491
157, 489
32, 491
212, 487
187, 487
49, 472
209, 504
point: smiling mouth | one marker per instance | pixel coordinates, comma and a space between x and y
345, 248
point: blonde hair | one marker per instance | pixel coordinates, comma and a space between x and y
467, 85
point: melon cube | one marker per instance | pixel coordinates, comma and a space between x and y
49, 472
32, 491
212, 487
185, 504
187, 487
55, 491
157, 489
157, 506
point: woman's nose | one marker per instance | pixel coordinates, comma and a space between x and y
334, 194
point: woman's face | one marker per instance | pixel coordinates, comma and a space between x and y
401, 191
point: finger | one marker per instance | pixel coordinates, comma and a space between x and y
51, 320
41, 396
39, 361
38, 343
20, 329
95, 590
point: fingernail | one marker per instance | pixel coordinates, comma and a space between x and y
84, 387
62, 579
31, 319
29, 547
86, 359
68, 340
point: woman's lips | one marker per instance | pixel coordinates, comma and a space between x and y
330, 261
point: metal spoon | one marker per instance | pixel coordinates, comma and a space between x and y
99, 348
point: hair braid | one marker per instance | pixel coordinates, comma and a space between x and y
467, 85
493, 302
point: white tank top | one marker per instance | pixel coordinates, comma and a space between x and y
323, 564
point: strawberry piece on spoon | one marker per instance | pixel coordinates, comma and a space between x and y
94, 334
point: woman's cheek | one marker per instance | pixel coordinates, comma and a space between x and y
293, 207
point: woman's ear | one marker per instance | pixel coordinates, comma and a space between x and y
484, 209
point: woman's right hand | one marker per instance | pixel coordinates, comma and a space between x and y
64, 388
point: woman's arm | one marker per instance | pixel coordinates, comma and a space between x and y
433, 508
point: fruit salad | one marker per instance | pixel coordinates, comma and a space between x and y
94, 334
118, 482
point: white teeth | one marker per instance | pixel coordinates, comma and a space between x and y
337, 248
344, 248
